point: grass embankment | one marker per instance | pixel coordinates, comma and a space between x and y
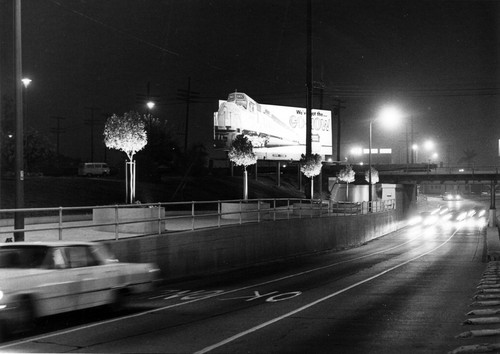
41, 192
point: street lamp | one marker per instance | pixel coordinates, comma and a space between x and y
26, 82
434, 156
150, 105
20, 117
388, 115
415, 153
429, 145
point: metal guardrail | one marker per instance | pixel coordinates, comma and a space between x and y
181, 216
448, 170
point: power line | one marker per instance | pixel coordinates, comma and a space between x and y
120, 31
58, 130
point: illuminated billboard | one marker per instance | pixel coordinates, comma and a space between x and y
276, 132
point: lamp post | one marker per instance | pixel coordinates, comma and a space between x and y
388, 114
414, 153
26, 83
19, 135
150, 105
433, 156
370, 168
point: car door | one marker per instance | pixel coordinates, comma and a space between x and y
96, 279
81, 274
60, 289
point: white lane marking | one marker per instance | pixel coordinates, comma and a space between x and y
305, 307
62, 332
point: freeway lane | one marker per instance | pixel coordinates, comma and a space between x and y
406, 292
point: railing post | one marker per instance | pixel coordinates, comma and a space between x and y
116, 222
241, 206
218, 213
159, 219
274, 208
192, 215
60, 223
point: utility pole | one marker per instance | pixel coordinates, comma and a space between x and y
57, 131
188, 96
309, 83
19, 202
91, 122
337, 108
319, 86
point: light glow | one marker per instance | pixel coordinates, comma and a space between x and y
26, 82
389, 115
356, 151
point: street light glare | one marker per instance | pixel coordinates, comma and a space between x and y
429, 145
150, 104
26, 82
389, 115
356, 151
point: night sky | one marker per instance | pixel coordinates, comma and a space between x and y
437, 60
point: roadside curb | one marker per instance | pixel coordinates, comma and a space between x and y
493, 243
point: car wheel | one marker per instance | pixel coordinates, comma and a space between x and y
120, 297
26, 314
4, 334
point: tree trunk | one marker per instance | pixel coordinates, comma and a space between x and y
245, 184
130, 181
132, 199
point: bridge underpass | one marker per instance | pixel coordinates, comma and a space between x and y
455, 176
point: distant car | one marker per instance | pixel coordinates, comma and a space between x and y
452, 196
93, 169
45, 278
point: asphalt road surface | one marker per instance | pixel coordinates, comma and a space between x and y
407, 292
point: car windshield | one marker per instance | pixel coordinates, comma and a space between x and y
23, 257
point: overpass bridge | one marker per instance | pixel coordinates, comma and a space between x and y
422, 174
418, 173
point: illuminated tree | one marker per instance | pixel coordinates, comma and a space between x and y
310, 166
347, 175
374, 173
126, 133
241, 154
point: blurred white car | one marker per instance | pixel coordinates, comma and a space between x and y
45, 278
451, 196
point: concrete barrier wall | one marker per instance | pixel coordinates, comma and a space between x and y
201, 252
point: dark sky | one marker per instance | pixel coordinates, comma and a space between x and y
437, 60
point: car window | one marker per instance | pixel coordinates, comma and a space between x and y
23, 257
80, 256
58, 259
